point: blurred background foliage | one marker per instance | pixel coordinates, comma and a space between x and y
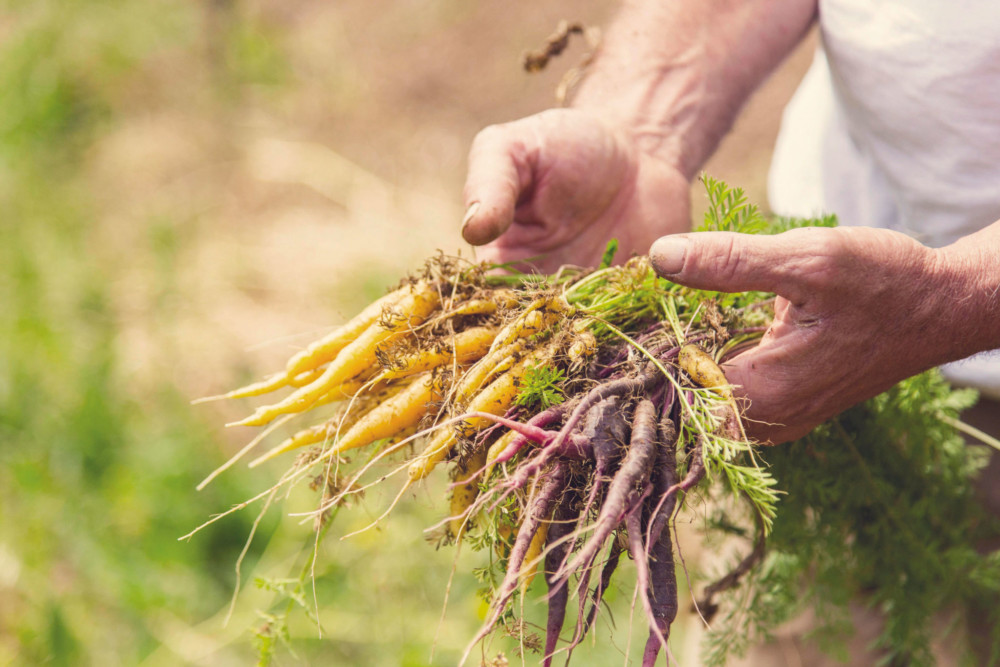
188, 192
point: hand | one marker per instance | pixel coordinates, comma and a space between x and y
858, 310
561, 184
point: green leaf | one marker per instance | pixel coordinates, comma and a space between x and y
609, 253
540, 387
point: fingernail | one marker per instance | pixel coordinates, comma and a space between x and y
469, 213
667, 254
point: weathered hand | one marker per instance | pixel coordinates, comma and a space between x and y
561, 184
858, 310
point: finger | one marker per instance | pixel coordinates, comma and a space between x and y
787, 264
741, 372
498, 173
754, 375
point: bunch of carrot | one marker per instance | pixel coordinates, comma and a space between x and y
575, 413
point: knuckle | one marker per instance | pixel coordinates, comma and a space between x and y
822, 255
835, 243
728, 258
550, 118
488, 136
818, 240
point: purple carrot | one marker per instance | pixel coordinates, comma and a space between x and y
662, 595
607, 429
669, 398
657, 395
541, 420
664, 479
633, 524
582, 445
584, 622
582, 586
662, 576
610, 565
531, 431
695, 469
632, 475
576, 447
539, 509
562, 525
642, 382
531, 467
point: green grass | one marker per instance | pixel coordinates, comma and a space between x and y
99, 460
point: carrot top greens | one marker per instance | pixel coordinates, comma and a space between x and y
541, 387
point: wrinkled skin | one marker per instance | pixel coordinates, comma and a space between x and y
858, 310
560, 184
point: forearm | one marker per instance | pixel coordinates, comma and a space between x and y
674, 73
969, 307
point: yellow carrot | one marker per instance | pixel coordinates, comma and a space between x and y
346, 391
499, 298
510, 342
356, 358
497, 448
385, 420
265, 386
583, 348
473, 307
495, 399
358, 408
400, 412
402, 435
327, 348
526, 325
304, 438
533, 554
483, 306
468, 346
435, 452
499, 395
342, 392
302, 379
538, 315
463, 495
504, 298
704, 371
505, 535
494, 363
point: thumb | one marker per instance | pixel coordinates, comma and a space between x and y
731, 262
499, 171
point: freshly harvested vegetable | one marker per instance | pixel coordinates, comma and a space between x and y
465, 490
468, 346
384, 420
327, 348
358, 357
578, 412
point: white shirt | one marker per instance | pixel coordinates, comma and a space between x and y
897, 125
